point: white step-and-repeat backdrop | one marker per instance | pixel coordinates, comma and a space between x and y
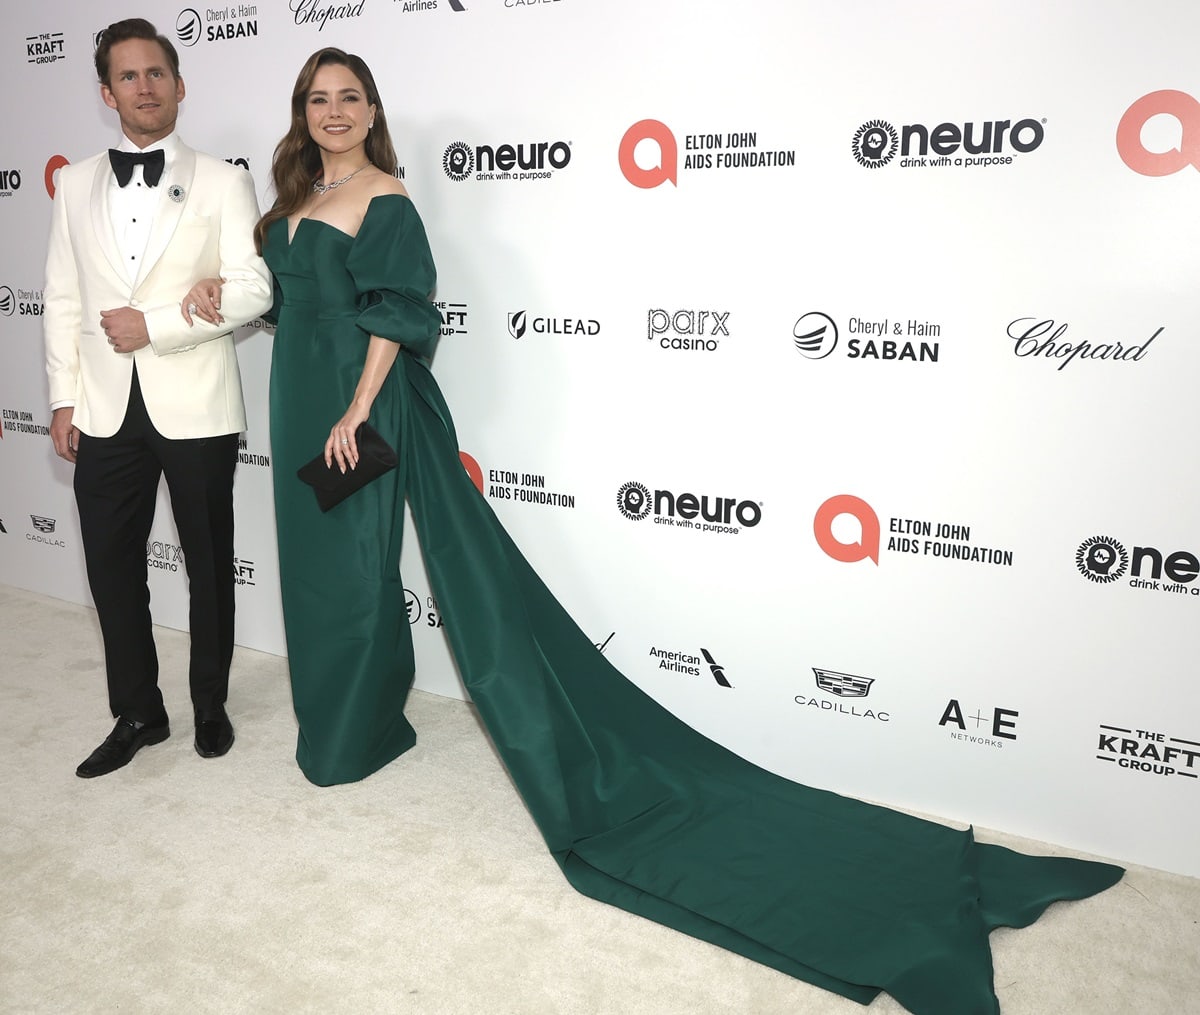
833, 364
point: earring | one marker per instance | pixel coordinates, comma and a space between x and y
370, 125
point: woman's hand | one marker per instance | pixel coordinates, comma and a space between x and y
204, 301
342, 447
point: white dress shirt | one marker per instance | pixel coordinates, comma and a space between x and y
131, 208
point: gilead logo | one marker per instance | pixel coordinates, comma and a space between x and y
1137, 157
856, 507
668, 155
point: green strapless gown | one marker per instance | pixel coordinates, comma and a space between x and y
638, 809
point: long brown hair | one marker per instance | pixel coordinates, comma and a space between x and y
297, 159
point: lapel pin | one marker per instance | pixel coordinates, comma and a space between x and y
176, 193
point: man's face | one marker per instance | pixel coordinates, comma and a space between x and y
142, 90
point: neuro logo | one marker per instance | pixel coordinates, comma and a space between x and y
667, 167
816, 335
844, 685
8, 301
55, 163
187, 27
633, 501
1185, 110
458, 161
473, 470
848, 553
875, 144
43, 524
718, 671
1101, 559
516, 324
412, 606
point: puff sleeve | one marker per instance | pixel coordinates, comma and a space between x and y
394, 274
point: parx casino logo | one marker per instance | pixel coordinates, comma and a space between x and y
687, 330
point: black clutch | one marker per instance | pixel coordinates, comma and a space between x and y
332, 486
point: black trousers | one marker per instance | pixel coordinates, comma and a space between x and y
116, 485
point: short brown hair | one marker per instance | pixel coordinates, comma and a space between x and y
123, 31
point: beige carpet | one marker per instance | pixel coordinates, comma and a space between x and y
184, 885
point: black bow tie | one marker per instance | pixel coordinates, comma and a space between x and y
123, 163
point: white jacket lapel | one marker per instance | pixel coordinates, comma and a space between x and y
102, 217
175, 190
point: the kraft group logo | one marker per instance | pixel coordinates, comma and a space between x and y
1186, 112
53, 165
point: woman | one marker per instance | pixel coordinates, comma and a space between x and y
638, 809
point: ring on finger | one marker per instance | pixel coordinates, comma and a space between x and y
191, 308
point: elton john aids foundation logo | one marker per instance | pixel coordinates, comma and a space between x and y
665, 170
830, 514
1181, 145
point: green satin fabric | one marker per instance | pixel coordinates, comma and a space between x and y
639, 810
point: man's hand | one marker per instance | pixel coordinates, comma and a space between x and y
125, 328
64, 433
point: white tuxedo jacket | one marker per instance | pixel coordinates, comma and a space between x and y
203, 226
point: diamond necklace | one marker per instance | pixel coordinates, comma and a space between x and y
322, 188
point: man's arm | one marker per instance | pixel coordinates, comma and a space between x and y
63, 313
247, 289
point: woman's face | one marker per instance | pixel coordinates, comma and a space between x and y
337, 110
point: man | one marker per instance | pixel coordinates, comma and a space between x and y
138, 393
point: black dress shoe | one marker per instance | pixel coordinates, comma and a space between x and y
214, 734
119, 747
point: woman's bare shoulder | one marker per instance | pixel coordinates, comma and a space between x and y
381, 183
